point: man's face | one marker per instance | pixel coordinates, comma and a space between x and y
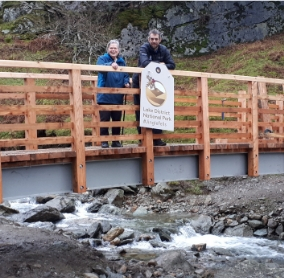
154, 40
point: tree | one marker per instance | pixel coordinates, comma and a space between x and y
86, 31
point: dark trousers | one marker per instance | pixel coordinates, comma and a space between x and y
137, 114
105, 116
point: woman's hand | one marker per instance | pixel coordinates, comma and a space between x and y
114, 65
127, 85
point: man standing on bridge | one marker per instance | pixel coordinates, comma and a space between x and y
152, 51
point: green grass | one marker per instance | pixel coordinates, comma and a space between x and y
262, 58
12, 135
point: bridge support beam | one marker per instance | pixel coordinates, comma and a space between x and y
148, 158
77, 132
203, 117
253, 153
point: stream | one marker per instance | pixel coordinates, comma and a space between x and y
183, 238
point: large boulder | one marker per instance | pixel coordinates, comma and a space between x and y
42, 213
63, 204
172, 260
202, 224
242, 230
115, 197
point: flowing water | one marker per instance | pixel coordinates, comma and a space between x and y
183, 238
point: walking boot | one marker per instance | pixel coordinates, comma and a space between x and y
159, 142
104, 145
116, 144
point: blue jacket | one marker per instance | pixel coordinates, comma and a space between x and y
111, 79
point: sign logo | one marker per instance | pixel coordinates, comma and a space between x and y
155, 92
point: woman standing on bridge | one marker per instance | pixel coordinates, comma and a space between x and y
112, 80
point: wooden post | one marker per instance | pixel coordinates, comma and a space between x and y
30, 116
95, 116
77, 132
203, 116
242, 115
263, 103
280, 119
253, 154
148, 157
1, 183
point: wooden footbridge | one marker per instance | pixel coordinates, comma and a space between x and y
50, 130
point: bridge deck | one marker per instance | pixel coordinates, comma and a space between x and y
16, 158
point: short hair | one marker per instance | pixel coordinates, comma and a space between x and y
155, 32
111, 42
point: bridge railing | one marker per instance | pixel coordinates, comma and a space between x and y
53, 105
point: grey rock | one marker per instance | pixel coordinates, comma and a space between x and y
94, 242
243, 220
76, 233
110, 209
279, 230
165, 234
281, 236
43, 225
94, 206
173, 260
42, 213
44, 199
128, 190
105, 226
242, 230
124, 242
272, 223
94, 230
115, 197
140, 211
157, 244
218, 228
222, 24
261, 232
202, 224
126, 235
63, 204
255, 224
162, 188
6, 211
255, 216
222, 251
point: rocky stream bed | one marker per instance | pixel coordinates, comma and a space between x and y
31, 245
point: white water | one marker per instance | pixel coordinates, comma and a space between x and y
184, 239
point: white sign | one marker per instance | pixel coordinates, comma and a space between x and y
157, 97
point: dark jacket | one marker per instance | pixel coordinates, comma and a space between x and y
147, 54
111, 79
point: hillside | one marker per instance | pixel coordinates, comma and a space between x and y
261, 58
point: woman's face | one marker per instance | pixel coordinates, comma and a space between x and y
113, 50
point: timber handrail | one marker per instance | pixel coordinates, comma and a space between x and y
96, 68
